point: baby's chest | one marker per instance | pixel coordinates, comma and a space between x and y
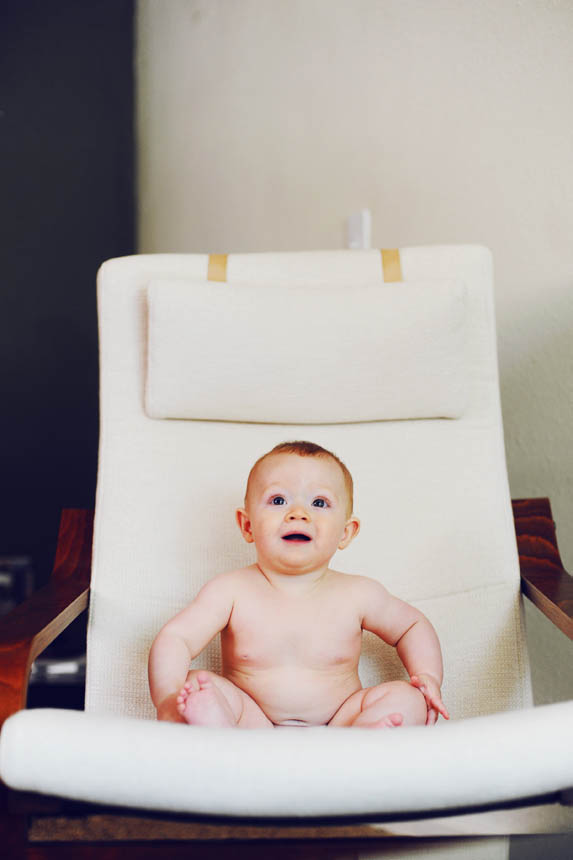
271, 633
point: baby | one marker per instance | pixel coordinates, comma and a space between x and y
291, 627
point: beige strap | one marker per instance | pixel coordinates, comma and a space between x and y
217, 269
391, 265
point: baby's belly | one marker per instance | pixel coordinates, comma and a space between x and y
294, 696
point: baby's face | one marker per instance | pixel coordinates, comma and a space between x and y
296, 513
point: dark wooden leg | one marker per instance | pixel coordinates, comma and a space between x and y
13, 829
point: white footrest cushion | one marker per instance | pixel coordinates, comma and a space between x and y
289, 772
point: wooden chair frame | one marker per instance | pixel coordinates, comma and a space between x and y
32, 626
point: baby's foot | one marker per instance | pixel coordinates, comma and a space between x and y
206, 706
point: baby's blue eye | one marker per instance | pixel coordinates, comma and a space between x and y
320, 503
277, 500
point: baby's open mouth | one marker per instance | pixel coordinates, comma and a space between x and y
296, 536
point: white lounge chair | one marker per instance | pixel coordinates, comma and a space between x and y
388, 359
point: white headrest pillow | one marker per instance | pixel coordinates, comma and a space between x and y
306, 355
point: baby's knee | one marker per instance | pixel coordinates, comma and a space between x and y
405, 699
416, 701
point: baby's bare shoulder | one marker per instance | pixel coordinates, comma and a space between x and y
362, 586
233, 578
367, 597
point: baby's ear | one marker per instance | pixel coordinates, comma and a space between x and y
244, 524
351, 529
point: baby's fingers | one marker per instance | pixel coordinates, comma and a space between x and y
433, 701
441, 708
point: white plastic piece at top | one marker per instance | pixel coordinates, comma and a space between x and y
360, 229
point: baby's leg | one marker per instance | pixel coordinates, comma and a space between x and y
207, 699
396, 703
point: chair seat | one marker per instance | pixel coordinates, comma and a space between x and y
298, 773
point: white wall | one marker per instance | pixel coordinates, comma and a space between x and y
263, 123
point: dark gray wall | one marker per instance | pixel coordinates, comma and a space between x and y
66, 204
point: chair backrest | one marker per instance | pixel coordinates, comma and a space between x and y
389, 360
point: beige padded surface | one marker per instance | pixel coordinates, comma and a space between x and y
432, 495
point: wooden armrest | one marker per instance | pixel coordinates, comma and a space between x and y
543, 578
29, 628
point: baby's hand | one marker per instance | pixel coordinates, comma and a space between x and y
430, 689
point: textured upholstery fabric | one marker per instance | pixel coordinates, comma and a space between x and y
326, 354
432, 495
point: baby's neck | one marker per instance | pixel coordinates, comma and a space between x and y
294, 584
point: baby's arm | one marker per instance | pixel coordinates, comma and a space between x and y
182, 639
415, 640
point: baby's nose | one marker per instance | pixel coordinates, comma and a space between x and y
297, 513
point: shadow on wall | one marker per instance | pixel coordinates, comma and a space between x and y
537, 398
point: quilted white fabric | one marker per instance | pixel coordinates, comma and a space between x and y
306, 354
292, 772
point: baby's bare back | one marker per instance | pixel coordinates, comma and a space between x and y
296, 654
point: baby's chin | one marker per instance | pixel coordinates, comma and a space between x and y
294, 562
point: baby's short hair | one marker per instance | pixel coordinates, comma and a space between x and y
307, 449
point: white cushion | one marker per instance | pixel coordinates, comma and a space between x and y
289, 772
327, 354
